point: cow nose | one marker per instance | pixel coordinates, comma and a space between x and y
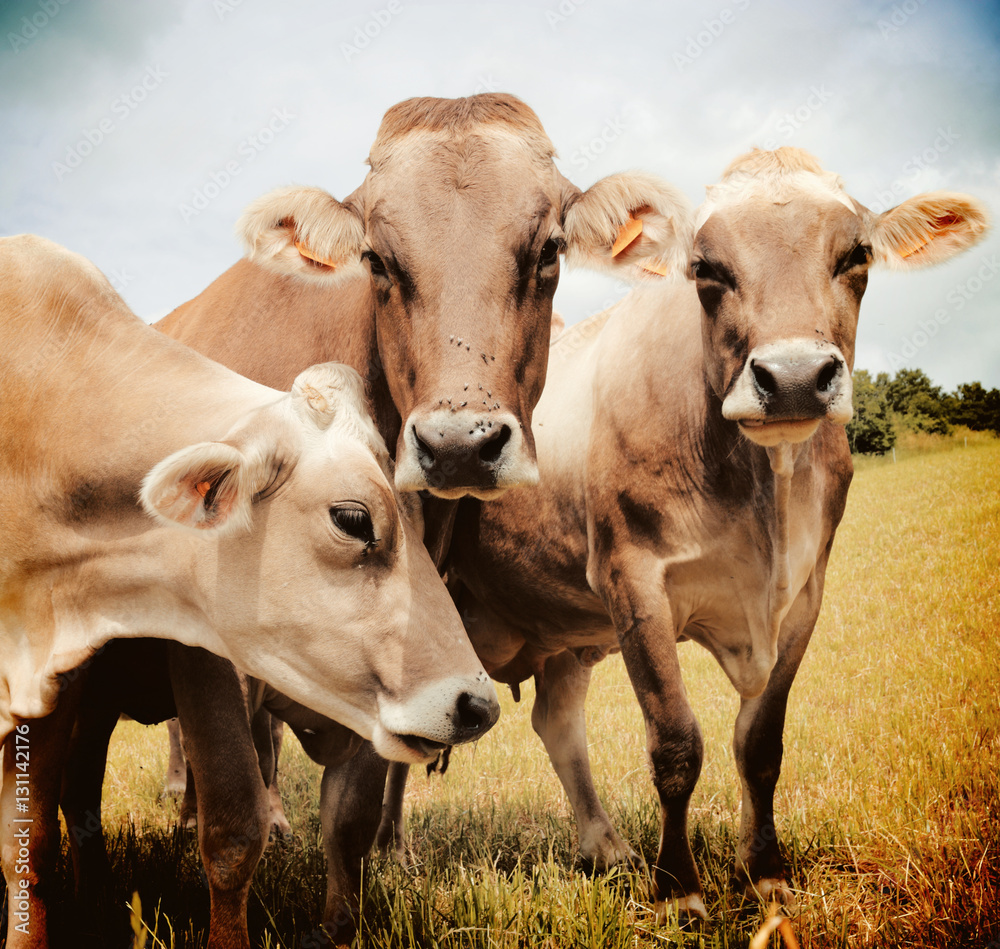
462, 457
475, 715
799, 387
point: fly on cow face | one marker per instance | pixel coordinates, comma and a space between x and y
458, 228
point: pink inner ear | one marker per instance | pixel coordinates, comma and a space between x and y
946, 221
202, 487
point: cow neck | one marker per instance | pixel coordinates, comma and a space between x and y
735, 472
782, 459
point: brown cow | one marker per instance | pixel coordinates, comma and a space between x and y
696, 495
275, 539
435, 280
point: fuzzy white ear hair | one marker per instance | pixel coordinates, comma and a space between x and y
303, 232
334, 392
928, 229
207, 486
594, 223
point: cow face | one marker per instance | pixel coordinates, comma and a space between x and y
459, 226
310, 549
780, 263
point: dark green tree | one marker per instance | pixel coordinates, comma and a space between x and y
974, 406
917, 402
870, 431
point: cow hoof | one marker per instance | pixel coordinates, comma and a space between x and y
609, 852
279, 838
767, 890
392, 845
774, 890
686, 912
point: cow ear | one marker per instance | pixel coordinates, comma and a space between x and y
633, 224
329, 391
208, 486
303, 232
928, 229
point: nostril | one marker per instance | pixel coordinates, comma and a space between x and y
491, 449
763, 379
828, 375
424, 453
473, 713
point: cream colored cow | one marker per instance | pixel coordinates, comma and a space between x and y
147, 491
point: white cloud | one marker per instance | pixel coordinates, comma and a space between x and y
866, 99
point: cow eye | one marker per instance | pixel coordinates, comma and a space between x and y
859, 257
702, 270
550, 252
356, 522
375, 263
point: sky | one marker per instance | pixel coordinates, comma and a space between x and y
135, 133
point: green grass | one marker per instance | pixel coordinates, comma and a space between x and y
888, 801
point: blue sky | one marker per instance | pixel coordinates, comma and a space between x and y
136, 133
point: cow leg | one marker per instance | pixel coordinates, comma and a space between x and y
280, 824
188, 817
179, 780
758, 748
175, 782
232, 799
643, 620
29, 818
558, 718
391, 836
350, 810
83, 780
268, 732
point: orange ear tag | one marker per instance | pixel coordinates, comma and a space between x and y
305, 252
627, 234
913, 248
202, 487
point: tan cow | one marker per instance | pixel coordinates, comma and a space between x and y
435, 280
275, 540
447, 258
696, 495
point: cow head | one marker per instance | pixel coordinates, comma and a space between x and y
459, 226
301, 542
780, 261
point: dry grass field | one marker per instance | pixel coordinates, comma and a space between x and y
888, 800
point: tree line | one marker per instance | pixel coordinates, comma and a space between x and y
885, 407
